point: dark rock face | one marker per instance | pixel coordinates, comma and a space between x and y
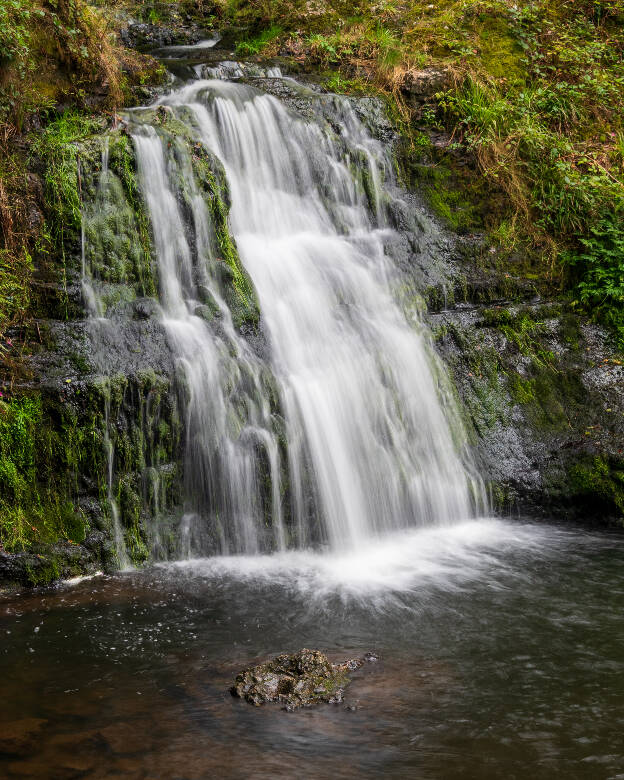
60, 561
298, 680
154, 36
542, 398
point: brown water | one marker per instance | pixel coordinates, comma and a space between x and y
501, 650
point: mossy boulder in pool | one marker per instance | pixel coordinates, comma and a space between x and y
298, 680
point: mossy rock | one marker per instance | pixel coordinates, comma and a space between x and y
598, 482
298, 680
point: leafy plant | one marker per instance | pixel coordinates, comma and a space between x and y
255, 45
599, 267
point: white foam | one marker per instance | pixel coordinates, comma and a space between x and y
83, 578
401, 562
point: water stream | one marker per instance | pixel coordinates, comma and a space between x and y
362, 439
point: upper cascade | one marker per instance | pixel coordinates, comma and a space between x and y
343, 427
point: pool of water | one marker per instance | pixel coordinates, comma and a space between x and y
501, 655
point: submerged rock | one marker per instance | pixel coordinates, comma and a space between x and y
19, 737
298, 680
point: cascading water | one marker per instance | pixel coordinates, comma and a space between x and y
339, 433
219, 370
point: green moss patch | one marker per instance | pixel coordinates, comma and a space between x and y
43, 449
599, 482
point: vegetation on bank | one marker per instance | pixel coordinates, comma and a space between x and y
40, 459
56, 56
532, 99
63, 75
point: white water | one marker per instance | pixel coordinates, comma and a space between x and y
221, 467
372, 443
404, 563
123, 559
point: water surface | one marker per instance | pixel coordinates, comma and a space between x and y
501, 656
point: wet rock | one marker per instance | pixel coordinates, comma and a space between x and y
62, 560
155, 36
298, 680
144, 308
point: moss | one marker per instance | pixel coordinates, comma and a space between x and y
570, 329
123, 163
233, 276
447, 200
552, 400
145, 434
522, 390
45, 571
485, 402
44, 450
499, 50
117, 243
495, 318
131, 506
58, 147
525, 329
599, 482
500, 497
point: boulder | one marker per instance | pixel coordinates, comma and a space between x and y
298, 680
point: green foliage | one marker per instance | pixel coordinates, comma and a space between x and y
336, 82
599, 266
58, 146
259, 43
35, 461
19, 96
600, 481
15, 272
18, 423
116, 227
14, 32
388, 45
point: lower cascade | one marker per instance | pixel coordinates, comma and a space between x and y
313, 409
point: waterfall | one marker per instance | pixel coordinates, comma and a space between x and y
227, 410
339, 428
